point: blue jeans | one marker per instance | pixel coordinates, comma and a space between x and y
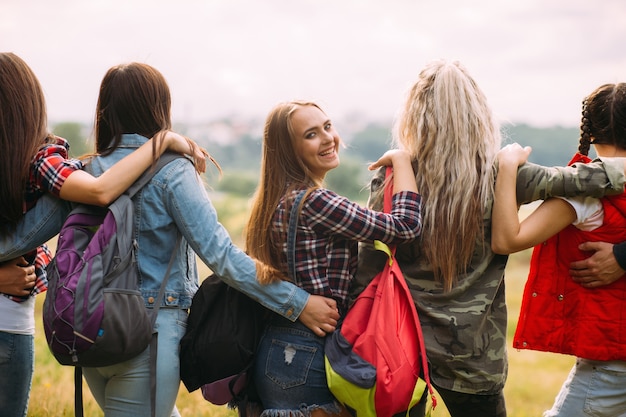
17, 356
289, 371
123, 390
592, 389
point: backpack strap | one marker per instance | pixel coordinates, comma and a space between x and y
155, 334
291, 237
165, 159
387, 197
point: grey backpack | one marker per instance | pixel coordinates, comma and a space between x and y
93, 313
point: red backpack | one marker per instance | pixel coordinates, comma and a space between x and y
376, 359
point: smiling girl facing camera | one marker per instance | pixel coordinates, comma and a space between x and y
300, 146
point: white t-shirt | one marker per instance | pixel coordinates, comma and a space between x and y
589, 210
17, 318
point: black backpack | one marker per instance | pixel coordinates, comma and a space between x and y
224, 329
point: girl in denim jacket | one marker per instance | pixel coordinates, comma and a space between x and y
133, 104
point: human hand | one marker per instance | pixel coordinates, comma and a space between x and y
320, 314
17, 277
513, 155
183, 145
599, 269
391, 157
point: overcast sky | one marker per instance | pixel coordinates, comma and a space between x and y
534, 59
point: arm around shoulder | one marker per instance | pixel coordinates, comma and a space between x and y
596, 179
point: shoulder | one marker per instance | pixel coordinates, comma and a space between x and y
54, 145
323, 197
178, 173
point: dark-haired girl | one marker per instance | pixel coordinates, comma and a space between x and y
558, 314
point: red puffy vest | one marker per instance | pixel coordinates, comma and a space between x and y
557, 314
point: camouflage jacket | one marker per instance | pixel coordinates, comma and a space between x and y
465, 329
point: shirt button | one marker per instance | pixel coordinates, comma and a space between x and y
561, 297
151, 300
170, 299
289, 313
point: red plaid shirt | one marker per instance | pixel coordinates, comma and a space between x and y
49, 170
329, 229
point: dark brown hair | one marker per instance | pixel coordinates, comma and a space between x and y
134, 98
23, 129
604, 118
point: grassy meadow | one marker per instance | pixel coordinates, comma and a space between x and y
533, 381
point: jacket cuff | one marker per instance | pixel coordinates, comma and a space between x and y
619, 251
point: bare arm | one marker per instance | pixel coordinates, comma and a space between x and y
82, 187
508, 235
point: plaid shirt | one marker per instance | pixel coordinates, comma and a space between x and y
49, 170
329, 229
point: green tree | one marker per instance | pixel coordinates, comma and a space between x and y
349, 179
74, 134
240, 183
370, 143
551, 146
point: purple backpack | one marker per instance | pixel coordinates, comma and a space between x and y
93, 313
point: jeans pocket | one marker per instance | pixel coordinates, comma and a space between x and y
288, 364
605, 396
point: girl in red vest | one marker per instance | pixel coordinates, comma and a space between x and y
558, 314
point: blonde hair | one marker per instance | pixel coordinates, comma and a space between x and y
448, 127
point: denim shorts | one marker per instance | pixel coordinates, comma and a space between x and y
289, 371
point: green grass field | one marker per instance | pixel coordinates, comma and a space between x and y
534, 377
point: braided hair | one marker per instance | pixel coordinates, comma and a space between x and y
584, 143
604, 118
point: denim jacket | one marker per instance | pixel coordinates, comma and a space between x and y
174, 201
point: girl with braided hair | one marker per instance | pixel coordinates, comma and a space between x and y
558, 314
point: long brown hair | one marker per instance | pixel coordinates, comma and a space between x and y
133, 98
23, 130
282, 170
447, 126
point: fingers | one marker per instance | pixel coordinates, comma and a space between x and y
319, 332
591, 246
591, 284
18, 280
200, 160
31, 278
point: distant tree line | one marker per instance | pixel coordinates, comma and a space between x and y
240, 160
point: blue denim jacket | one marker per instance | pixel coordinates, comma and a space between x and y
174, 200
